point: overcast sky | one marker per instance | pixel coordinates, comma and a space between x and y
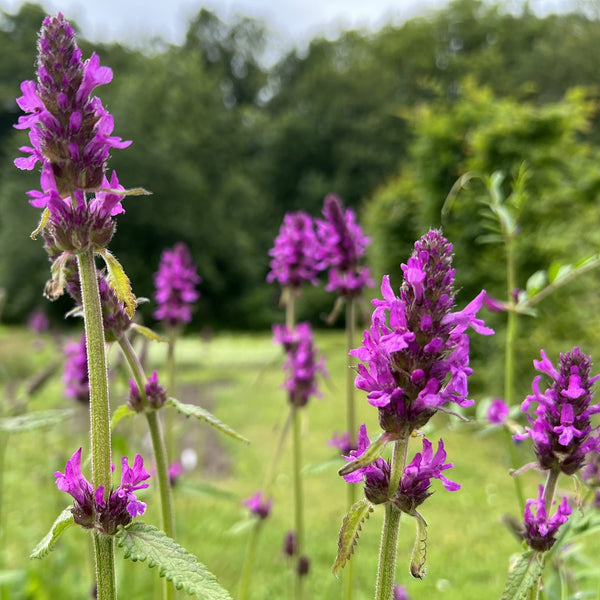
292, 21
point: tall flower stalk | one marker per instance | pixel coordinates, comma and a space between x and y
342, 250
414, 362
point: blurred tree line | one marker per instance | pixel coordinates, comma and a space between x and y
387, 120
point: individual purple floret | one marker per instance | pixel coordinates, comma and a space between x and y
302, 363
75, 375
295, 252
175, 283
342, 442
561, 429
416, 352
258, 505
175, 471
156, 395
290, 546
425, 466
539, 531
70, 131
91, 508
375, 475
342, 248
497, 411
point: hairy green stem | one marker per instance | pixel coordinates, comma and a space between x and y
160, 450
386, 574
99, 414
170, 415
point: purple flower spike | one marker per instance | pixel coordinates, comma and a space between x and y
539, 531
561, 429
414, 485
156, 395
92, 509
416, 352
258, 505
400, 593
295, 252
175, 283
38, 321
497, 411
302, 364
75, 377
70, 131
342, 248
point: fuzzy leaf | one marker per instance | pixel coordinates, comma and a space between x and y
351, 525
43, 220
147, 544
536, 283
63, 521
148, 333
121, 413
118, 281
371, 454
419, 553
192, 410
524, 576
34, 420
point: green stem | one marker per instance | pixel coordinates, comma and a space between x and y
298, 499
3, 446
99, 413
160, 450
350, 424
170, 415
549, 488
386, 574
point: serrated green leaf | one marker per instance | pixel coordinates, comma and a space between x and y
536, 283
351, 525
35, 420
43, 220
118, 281
524, 576
148, 333
121, 413
145, 543
46, 545
371, 454
192, 410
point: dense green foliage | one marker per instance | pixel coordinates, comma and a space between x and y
388, 120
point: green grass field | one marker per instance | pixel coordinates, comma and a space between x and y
238, 378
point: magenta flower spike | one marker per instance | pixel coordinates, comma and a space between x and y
94, 509
156, 395
175, 283
561, 430
416, 353
75, 376
497, 411
295, 252
342, 248
539, 530
259, 506
302, 365
38, 321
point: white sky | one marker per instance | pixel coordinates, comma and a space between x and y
293, 21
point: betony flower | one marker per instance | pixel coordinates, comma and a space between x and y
258, 505
416, 352
156, 395
561, 429
290, 545
70, 131
416, 480
302, 364
38, 321
540, 531
175, 282
497, 411
94, 509
295, 252
342, 442
75, 375
400, 593
342, 247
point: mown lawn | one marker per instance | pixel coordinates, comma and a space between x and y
238, 378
